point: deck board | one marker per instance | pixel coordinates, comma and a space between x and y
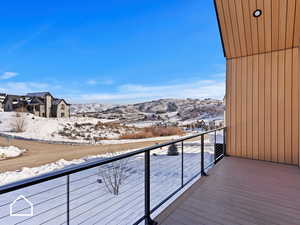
240, 191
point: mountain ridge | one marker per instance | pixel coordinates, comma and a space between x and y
161, 109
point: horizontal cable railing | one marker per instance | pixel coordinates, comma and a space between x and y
121, 189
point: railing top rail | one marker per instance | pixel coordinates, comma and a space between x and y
88, 165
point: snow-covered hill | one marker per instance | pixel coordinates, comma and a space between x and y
162, 110
75, 129
93, 107
114, 122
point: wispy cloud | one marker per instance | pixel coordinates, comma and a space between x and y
29, 38
99, 82
23, 87
8, 75
130, 93
126, 93
91, 82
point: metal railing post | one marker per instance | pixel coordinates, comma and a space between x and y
202, 156
224, 141
215, 145
182, 165
148, 220
68, 199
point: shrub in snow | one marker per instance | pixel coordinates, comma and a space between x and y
19, 123
173, 150
113, 175
153, 131
18, 114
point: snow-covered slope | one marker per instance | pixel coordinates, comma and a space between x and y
86, 108
111, 122
51, 129
86, 130
171, 110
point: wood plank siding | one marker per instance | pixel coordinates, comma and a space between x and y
243, 34
263, 106
262, 87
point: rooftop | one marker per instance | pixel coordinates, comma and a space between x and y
38, 94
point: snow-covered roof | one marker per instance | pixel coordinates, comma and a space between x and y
58, 100
36, 100
38, 94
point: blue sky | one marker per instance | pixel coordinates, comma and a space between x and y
117, 51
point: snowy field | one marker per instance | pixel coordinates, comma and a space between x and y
10, 152
90, 200
39, 127
48, 129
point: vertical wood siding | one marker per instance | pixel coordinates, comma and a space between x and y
278, 27
262, 94
274, 106
263, 106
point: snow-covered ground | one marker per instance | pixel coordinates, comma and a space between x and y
11, 176
10, 152
38, 127
169, 112
90, 201
93, 107
74, 130
78, 129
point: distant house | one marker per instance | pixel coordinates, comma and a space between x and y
2, 97
40, 104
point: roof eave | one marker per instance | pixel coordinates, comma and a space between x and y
220, 31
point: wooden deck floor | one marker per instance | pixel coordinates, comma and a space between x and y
240, 191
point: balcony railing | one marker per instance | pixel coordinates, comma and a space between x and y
123, 189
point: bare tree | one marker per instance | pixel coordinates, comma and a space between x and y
18, 125
113, 175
